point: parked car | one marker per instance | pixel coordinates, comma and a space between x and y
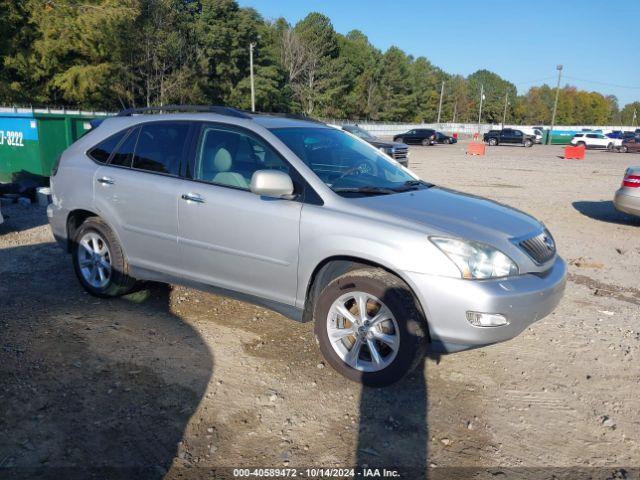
595, 140
508, 136
278, 211
627, 198
397, 151
446, 139
417, 136
630, 145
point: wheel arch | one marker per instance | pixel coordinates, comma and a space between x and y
334, 266
75, 218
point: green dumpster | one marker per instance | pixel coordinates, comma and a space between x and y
559, 137
32, 140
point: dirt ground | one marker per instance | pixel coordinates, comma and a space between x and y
170, 382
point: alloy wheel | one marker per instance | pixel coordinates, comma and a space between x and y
94, 259
363, 331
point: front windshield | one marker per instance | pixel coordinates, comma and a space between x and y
347, 165
360, 132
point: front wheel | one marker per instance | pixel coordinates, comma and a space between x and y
528, 143
399, 140
624, 149
99, 261
610, 147
447, 141
369, 327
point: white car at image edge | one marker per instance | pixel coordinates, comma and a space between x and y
595, 140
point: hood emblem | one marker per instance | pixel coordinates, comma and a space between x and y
548, 242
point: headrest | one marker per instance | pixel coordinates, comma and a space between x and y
222, 161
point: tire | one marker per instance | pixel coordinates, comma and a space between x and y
610, 147
624, 149
95, 236
425, 142
398, 139
581, 144
405, 329
528, 143
447, 141
493, 142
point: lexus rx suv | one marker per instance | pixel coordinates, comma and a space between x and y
306, 220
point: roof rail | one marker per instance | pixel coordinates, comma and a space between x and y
294, 116
229, 111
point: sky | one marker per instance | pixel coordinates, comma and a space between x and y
522, 41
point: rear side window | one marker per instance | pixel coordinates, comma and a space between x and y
161, 146
124, 155
101, 152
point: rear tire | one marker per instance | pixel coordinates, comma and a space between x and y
493, 142
99, 261
425, 142
447, 141
610, 147
375, 354
624, 149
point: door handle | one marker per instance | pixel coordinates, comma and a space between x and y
106, 180
192, 197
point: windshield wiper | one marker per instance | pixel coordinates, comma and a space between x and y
413, 185
366, 190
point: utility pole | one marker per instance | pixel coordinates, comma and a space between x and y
480, 110
455, 110
506, 102
555, 104
253, 89
440, 106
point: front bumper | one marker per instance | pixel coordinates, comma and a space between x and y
627, 203
523, 300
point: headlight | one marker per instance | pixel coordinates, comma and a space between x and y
476, 260
385, 150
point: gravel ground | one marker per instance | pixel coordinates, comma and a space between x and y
172, 382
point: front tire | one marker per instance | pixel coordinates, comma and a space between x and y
610, 147
624, 149
399, 140
370, 327
528, 143
99, 261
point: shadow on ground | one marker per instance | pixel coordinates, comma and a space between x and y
604, 211
89, 386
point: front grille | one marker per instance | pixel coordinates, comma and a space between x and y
400, 153
540, 248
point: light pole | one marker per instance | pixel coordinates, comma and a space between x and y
440, 106
555, 104
480, 109
506, 102
253, 89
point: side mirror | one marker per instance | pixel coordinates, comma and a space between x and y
272, 183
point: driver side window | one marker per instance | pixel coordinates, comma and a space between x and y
230, 158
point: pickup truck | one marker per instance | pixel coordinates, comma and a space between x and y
509, 136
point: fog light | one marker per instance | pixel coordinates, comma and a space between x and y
478, 319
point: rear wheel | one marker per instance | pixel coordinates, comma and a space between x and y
624, 149
610, 147
369, 327
99, 261
447, 141
581, 144
493, 142
425, 142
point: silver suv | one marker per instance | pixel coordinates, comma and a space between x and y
306, 220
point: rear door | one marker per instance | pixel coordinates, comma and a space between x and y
137, 193
228, 236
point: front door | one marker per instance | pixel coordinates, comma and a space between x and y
229, 237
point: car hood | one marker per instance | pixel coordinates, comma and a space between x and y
455, 214
381, 143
